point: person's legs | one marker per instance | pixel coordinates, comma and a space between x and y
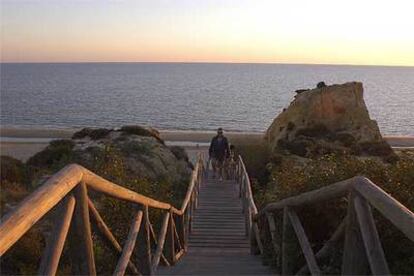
214, 165
220, 163
227, 169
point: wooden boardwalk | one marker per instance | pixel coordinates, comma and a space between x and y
218, 244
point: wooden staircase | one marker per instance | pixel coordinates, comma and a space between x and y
218, 243
213, 232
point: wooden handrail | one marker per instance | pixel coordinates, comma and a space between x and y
71, 183
76, 179
365, 194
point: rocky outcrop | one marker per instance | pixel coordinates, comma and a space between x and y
327, 119
138, 152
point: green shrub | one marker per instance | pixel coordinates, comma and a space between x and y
255, 157
141, 131
24, 256
12, 170
179, 153
290, 176
54, 157
136, 147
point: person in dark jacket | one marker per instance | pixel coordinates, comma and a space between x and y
218, 152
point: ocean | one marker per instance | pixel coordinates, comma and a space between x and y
188, 96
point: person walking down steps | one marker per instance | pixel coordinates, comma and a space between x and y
218, 152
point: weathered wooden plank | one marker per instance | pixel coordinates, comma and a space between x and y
161, 240
148, 240
17, 222
176, 234
104, 186
179, 254
190, 188
171, 241
248, 188
54, 247
82, 250
329, 192
129, 245
288, 245
154, 237
390, 208
257, 237
328, 246
373, 247
304, 243
106, 234
275, 239
354, 260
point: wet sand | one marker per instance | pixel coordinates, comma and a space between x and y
24, 143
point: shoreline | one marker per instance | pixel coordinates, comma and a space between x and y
22, 143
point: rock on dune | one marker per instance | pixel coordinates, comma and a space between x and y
328, 119
132, 151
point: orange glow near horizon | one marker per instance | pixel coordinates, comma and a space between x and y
296, 31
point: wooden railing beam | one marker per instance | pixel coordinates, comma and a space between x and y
82, 247
154, 237
316, 196
373, 247
161, 240
328, 247
288, 245
17, 222
106, 234
148, 240
354, 260
54, 246
129, 245
102, 185
393, 210
304, 243
275, 239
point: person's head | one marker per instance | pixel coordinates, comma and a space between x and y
232, 147
220, 131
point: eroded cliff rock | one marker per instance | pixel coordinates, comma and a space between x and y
328, 119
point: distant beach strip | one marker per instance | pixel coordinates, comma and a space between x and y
22, 143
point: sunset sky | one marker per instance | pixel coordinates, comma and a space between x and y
372, 32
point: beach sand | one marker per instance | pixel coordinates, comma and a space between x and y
22, 143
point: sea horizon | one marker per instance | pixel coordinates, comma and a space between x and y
240, 97
204, 62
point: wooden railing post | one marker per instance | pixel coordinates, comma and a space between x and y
288, 245
354, 260
190, 215
54, 246
328, 247
276, 241
161, 241
129, 245
254, 248
148, 255
181, 231
82, 247
170, 246
103, 230
373, 247
304, 243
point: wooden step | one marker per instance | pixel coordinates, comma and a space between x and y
217, 243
